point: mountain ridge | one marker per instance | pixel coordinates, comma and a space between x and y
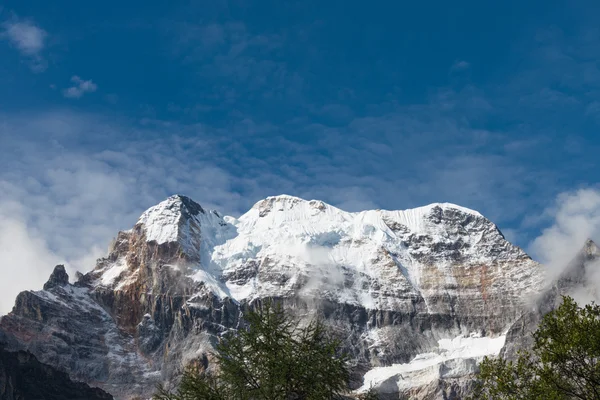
401, 285
316, 235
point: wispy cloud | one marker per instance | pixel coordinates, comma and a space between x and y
73, 199
460, 65
79, 88
81, 177
575, 218
29, 39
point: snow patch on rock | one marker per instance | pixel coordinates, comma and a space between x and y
211, 283
455, 357
112, 272
161, 221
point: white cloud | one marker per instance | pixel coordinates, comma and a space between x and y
29, 39
81, 177
576, 218
24, 256
26, 37
79, 88
73, 200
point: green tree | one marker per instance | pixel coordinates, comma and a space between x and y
564, 362
271, 359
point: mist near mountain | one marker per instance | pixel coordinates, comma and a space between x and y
574, 218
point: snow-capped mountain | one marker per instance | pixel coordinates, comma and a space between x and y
420, 295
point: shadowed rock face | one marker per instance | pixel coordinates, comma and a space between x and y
390, 283
23, 377
125, 341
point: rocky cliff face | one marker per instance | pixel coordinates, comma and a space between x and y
23, 377
421, 295
576, 280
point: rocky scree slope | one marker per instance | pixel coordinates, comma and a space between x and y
419, 296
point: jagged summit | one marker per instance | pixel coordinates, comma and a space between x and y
172, 220
576, 273
588, 253
171, 210
59, 277
590, 249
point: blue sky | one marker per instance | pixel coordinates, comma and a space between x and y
107, 108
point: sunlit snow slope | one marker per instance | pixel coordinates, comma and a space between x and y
286, 246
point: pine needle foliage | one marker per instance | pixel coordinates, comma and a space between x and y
272, 358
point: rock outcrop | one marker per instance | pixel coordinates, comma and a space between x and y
418, 295
23, 377
59, 277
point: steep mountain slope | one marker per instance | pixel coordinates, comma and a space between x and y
23, 377
438, 283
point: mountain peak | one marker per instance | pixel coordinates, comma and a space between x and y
185, 204
284, 202
576, 272
59, 277
445, 206
285, 197
590, 249
282, 199
162, 222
